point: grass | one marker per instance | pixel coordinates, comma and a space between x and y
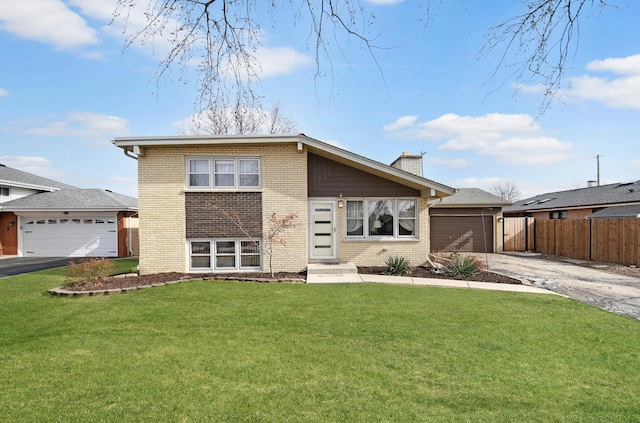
234, 352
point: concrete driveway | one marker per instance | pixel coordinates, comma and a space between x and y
616, 293
10, 266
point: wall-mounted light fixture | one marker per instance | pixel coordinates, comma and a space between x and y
340, 202
12, 224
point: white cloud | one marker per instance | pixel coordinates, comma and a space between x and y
629, 65
277, 61
3, 92
47, 21
622, 92
83, 125
33, 164
513, 138
401, 123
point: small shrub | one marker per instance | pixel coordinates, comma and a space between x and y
397, 266
461, 267
91, 269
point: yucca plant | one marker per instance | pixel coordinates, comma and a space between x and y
397, 266
461, 267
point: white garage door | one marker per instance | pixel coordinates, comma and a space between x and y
70, 237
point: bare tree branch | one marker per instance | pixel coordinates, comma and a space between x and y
238, 120
507, 190
537, 43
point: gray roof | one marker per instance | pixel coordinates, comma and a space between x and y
598, 196
472, 197
15, 177
617, 212
91, 199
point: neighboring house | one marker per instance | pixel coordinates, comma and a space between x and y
617, 212
205, 203
576, 203
466, 222
40, 217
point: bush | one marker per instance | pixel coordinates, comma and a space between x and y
461, 267
91, 269
397, 266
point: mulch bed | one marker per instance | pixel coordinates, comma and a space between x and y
125, 282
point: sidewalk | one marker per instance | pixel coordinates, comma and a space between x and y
404, 280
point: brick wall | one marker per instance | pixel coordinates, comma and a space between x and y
223, 214
162, 201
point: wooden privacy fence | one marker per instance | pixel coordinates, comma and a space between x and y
608, 240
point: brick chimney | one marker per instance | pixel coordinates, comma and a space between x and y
409, 163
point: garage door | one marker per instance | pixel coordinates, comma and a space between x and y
462, 234
70, 237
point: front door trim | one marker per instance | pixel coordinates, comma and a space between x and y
323, 230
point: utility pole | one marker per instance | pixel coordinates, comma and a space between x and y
598, 169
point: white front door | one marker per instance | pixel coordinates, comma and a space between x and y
322, 230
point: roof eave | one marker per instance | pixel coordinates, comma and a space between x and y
427, 188
28, 186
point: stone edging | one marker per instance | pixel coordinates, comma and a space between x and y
60, 292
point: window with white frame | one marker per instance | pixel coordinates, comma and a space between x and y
4, 192
225, 254
225, 173
392, 218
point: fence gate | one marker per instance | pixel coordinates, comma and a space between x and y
518, 234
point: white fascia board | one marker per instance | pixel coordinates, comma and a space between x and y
28, 186
425, 185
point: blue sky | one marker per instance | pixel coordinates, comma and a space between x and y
67, 89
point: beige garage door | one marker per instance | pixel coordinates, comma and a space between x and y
462, 234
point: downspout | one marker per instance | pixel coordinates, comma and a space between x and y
129, 154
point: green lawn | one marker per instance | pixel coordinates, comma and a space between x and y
233, 352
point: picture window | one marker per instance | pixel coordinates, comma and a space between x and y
387, 218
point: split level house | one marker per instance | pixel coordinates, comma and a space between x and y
206, 204
40, 217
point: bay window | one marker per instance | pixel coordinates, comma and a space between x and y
381, 218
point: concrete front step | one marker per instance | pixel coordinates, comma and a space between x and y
332, 269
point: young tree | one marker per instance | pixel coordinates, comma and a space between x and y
505, 189
272, 234
223, 36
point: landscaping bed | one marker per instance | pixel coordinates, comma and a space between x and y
132, 281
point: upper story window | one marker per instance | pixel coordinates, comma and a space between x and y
381, 219
223, 173
4, 192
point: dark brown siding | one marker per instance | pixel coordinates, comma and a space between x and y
212, 214
328, 178
8, 234
461, 230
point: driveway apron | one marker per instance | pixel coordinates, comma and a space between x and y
616, 293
